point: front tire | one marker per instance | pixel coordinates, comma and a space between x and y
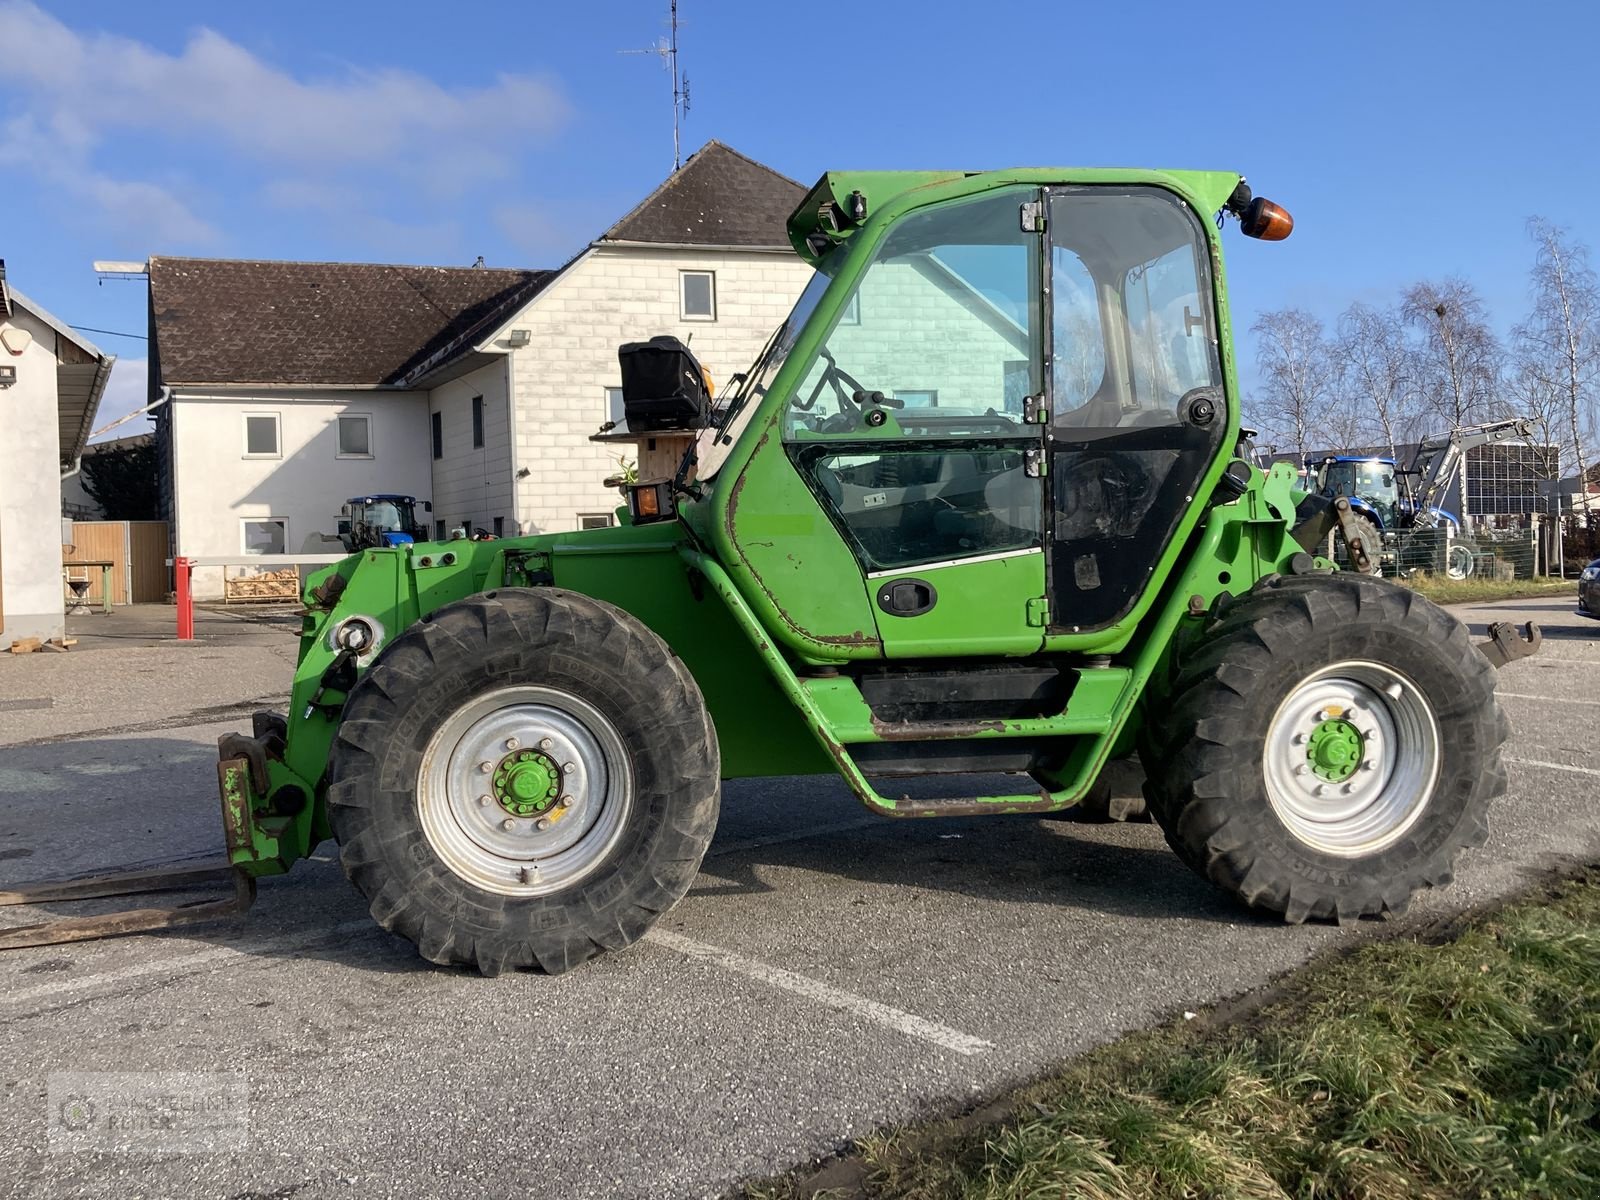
1329, 748
522, 780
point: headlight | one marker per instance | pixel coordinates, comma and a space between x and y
1590, 573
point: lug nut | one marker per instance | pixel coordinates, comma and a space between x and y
512, 743
545, 743
485, 800
565, 802
569, 767
508, 824
543, 823
485, 767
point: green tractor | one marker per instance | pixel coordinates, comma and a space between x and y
980, 509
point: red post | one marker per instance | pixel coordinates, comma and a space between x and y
182, 571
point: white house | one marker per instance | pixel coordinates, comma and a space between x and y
51, 381
295, 386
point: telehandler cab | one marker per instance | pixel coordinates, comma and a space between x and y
981, 507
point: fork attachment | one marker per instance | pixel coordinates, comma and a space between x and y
133, 920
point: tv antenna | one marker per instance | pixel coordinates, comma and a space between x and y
666, 49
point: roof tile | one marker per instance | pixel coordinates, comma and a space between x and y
234, 321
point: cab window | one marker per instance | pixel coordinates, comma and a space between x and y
909, 422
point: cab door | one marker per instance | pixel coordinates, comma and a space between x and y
918, 429
1137, 407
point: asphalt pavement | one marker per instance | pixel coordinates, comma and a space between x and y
830, 972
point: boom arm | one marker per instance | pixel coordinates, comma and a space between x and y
1439, 460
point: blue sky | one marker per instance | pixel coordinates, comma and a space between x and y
1410, 140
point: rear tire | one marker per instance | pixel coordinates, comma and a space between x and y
1330, 747
599, 798
1460, 558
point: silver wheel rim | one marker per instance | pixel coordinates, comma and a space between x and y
1392, 778
504, 851
1458, 562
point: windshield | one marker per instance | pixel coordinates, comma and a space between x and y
716, 443
1372, 481
387, 516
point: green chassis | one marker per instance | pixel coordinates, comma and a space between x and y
764, 660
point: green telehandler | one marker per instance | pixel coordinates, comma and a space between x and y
982, 508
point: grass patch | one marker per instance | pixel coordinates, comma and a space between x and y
1465, 591
1468, 1069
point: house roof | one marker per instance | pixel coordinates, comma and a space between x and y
231, 321
82, 370
718, 198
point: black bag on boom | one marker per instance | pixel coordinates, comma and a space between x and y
663, 386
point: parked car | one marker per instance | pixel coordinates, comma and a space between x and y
1589, 590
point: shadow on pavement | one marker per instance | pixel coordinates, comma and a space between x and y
134, 803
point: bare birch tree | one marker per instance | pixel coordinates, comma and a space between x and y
1459, 355
1297, 374
1557, 349
1541, 406
1377, 371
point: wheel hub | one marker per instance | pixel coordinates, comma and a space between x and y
527, 783
1334, 749
1351, 758
523, 790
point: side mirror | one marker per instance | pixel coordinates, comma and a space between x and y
427, 506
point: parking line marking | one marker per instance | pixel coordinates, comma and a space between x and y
1551, 699
812, 989
178, 964
1553, 766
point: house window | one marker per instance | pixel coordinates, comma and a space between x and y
852, 311
499, 527
264, 535
616, 413
697, 295
438, 526
261, 436
918, 397
595, 521
438, 435
477, 422
355, 437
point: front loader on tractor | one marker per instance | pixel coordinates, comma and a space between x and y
981, 508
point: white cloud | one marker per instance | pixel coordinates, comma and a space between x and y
215, 94
126, 391
138, 208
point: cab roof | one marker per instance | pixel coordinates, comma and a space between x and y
841, 201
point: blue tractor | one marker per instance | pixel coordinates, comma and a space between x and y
377, 522
1400, 508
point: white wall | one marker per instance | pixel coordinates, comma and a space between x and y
472, 485
217, 485
918, 327
30, 490
617, 295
